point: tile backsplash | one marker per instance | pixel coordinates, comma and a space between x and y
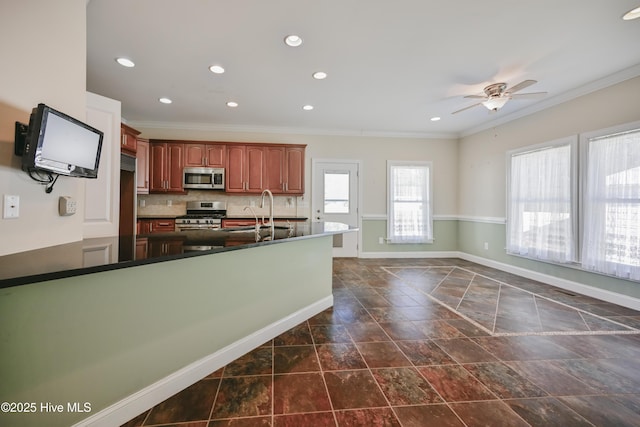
176, 204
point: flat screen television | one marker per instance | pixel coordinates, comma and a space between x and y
58, 143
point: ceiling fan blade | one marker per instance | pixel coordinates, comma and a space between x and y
528, 95
476, 96
521, 86
466, 108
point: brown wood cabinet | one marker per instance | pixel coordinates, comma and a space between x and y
156, 225
285, 169
207, 155
142, 169
240, 222
128, 139
245, 168
165, 167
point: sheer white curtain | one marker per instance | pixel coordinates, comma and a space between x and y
409, 206
540, 223
611, 242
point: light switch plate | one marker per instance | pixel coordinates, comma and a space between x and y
11, 206
66, 206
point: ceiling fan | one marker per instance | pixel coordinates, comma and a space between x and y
497, 94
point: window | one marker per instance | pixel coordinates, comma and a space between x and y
336, 192
598, 228
611, 202
409, 202
540, 214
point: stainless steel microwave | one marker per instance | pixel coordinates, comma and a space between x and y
203, 178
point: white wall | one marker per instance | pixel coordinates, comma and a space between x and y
482, 161
43, 51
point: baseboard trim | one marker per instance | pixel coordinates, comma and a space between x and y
421, 254
135, 404
569, 285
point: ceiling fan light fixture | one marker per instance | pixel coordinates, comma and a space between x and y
632, 14
495, 103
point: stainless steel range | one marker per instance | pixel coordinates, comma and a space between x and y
202, 216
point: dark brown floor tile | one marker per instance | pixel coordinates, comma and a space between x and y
464, 350
243, 397
370, 301
296, 393
256, 362
403, 331
215, 374
548, 412
468, 329
297, 358
438, 329
455, 384
551, 378
428, 415
349, 316
191, 404
317, 419
387, 314
324, 334
405, 386
241, 422
504, 381
524, 348
601, 346
137, 421
371, 417
326, 317
382, 355
367, 332
298, 335
425, 352
596, 375
603, 410
494, 414
342, 386
339, 357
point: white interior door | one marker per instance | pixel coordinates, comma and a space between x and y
335, 198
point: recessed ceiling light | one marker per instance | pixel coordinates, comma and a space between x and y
125, 62
165, 100
293, 40
307, 107
632, 14
435, 119
319, 75
216, 69
232, 104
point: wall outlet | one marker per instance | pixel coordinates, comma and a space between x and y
381, 240
11, 206
486, 246
66, 206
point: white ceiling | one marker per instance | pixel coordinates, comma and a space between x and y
392, 65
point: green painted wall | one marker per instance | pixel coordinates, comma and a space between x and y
445, 234
471, 238
99, 338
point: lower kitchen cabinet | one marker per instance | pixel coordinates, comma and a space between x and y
149, 226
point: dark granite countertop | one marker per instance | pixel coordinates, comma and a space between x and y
74, 259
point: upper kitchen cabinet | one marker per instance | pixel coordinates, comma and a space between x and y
128, 139
245, 168
206, 154
142, 169
285, 169
165, 166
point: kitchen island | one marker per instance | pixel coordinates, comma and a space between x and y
124, 335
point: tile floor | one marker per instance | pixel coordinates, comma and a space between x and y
434, 342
